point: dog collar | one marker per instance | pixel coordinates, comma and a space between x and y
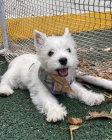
45, 78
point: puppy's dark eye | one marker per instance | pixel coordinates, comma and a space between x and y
50, 53
69, 50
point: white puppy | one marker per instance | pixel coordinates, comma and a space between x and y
55, 55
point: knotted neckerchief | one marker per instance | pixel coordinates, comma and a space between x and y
54, 83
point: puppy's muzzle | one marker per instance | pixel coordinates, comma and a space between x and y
63, 61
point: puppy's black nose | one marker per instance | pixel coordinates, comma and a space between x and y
63, 61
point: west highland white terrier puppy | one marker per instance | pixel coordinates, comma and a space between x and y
55, 55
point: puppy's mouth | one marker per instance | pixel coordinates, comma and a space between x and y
62, 71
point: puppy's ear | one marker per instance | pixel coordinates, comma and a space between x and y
66, 33
39, 38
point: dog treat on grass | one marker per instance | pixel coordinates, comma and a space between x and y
61, 84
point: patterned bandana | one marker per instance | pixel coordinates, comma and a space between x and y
46, 79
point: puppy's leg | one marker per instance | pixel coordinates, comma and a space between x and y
95, 80
7, 82
46, 102
84, 95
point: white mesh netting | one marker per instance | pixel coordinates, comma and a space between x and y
90, 23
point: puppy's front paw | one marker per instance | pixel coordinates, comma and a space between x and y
94, 99
5, 90
56, 114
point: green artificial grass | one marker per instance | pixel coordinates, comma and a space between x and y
19, 120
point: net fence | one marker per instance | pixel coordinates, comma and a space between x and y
90, 23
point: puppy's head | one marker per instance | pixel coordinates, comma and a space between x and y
57, 54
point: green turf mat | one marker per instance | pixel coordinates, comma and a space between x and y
19, 120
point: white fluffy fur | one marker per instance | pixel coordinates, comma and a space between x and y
20, 74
